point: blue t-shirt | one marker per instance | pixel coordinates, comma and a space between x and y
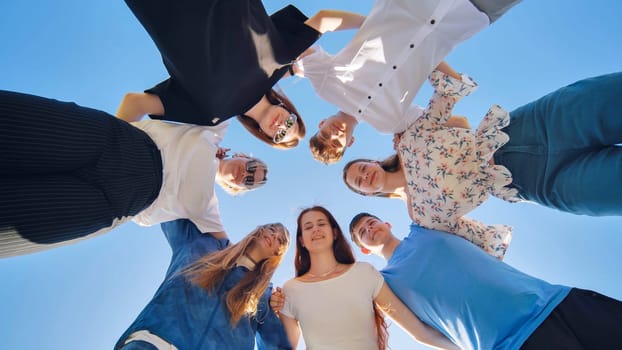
477, 301
188, 317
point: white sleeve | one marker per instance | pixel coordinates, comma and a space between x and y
208, 219
288, 306
372, 278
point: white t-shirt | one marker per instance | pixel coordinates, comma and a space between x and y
189, 169
336, 314
377, 75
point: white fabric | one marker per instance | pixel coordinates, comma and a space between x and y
413, 36
189, 170
150, 338
336, 313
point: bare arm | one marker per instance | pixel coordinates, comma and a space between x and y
135, 105
409, 322
333, 20
443, 67
292, 329
458, 121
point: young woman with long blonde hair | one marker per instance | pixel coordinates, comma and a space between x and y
215, 294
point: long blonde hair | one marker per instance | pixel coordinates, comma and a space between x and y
242, 300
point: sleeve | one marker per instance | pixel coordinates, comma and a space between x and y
372, 277
318, 68
270, 332
493, 239
295, 35
447, 91
208, 218
178, 105
288, 307
179, 232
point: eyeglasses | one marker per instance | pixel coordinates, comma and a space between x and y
288, 125
251, 167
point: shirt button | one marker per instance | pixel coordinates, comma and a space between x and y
412, 45
432, 21
360, 111
369, 97
394, 67
380, 84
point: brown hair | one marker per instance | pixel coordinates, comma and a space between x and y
343, 254
322, 152
253, 127
390, 165
210, 271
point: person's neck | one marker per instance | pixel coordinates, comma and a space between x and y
395, 183
389, 248
321, 263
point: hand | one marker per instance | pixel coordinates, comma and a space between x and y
221, 153
277, 300
396, 140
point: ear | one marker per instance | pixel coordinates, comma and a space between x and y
365, 251
389, 224
322, 122
350, 142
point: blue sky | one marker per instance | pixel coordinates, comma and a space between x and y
84, 296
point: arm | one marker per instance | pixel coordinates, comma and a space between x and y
458, 122
270, 332
292, 328
443, 67
135, 105
393, 307
333, 20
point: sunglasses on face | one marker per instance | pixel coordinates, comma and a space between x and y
288, 125
251, 167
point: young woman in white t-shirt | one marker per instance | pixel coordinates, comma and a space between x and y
335, 302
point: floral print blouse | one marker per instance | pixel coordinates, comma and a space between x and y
448, 171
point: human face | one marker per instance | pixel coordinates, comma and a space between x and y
279, 123
371, 232
335, 133
242, 172
273, 241
317, 234
366, 177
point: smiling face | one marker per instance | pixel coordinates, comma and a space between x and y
317, 233
273, 240
242, 173
365, 177
371, 233
275, 119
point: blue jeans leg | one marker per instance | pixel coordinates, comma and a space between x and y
563, 150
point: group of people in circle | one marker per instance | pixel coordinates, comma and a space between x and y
81, 172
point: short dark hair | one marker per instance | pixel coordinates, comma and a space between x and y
355, 220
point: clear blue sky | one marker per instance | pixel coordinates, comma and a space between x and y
91, 52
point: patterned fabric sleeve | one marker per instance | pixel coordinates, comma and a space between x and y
447, 91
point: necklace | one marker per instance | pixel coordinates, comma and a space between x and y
323, 274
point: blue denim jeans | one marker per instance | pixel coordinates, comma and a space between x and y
138, 345
564, 149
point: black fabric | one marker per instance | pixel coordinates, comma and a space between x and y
68, 171
583, 320
210, 53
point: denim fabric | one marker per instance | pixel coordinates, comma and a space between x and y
188, 317
138, 345
563, 150
494, 9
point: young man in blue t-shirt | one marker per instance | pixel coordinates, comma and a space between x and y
478, 301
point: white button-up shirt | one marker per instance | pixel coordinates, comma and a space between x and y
189, 167
377, 75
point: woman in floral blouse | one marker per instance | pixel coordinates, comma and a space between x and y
567, 138
444, 172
